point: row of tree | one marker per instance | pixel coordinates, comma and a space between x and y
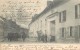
10, 26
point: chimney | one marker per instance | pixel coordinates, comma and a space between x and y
49, 2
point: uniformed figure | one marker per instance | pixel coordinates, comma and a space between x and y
23, 36
45, 38
39, 36
16, 36
10, 36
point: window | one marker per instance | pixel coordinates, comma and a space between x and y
76, 32
41, 24
71, 31
77, 11
63, 32
45, 22
79, 31
62, 16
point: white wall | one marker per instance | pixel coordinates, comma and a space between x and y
70, 20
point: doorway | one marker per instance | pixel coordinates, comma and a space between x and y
52, 30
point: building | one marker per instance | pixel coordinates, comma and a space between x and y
60, 21
9, 26
1, 30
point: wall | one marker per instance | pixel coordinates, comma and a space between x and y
45, 24
70, 19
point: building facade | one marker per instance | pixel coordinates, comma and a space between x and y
1, 30
60, 21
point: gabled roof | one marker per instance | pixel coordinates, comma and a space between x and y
54, 4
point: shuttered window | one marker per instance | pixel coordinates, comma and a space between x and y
71, 31
62, 16
63, 31
79, 30
77, 11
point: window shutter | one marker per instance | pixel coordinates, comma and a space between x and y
60, 33
60, 17
73, 31
64, 15
67, 32
79, 31
76, 34
63, 32
79, 10
71, 28
76, 13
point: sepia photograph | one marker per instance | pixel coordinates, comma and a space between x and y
40, 21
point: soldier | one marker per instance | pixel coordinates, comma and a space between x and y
39, 35
8, 36
16, 36
45, 37
23, 36
42, 37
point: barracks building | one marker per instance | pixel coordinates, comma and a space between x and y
60, 20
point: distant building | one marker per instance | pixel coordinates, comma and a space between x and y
60, 21
9, 26
1, 29
49, 2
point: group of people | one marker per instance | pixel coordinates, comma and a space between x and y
16, 36
42, 37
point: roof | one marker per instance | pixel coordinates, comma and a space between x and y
54, 4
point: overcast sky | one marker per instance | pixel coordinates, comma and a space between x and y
41, 4
31, 7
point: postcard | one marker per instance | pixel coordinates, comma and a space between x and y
39, 24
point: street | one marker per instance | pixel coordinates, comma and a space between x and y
27, 40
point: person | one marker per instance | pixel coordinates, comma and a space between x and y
45, 38
9, 36
42, 37
23, 36
39, 35
16, 36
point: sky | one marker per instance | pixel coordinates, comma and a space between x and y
31, 7
40, 4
